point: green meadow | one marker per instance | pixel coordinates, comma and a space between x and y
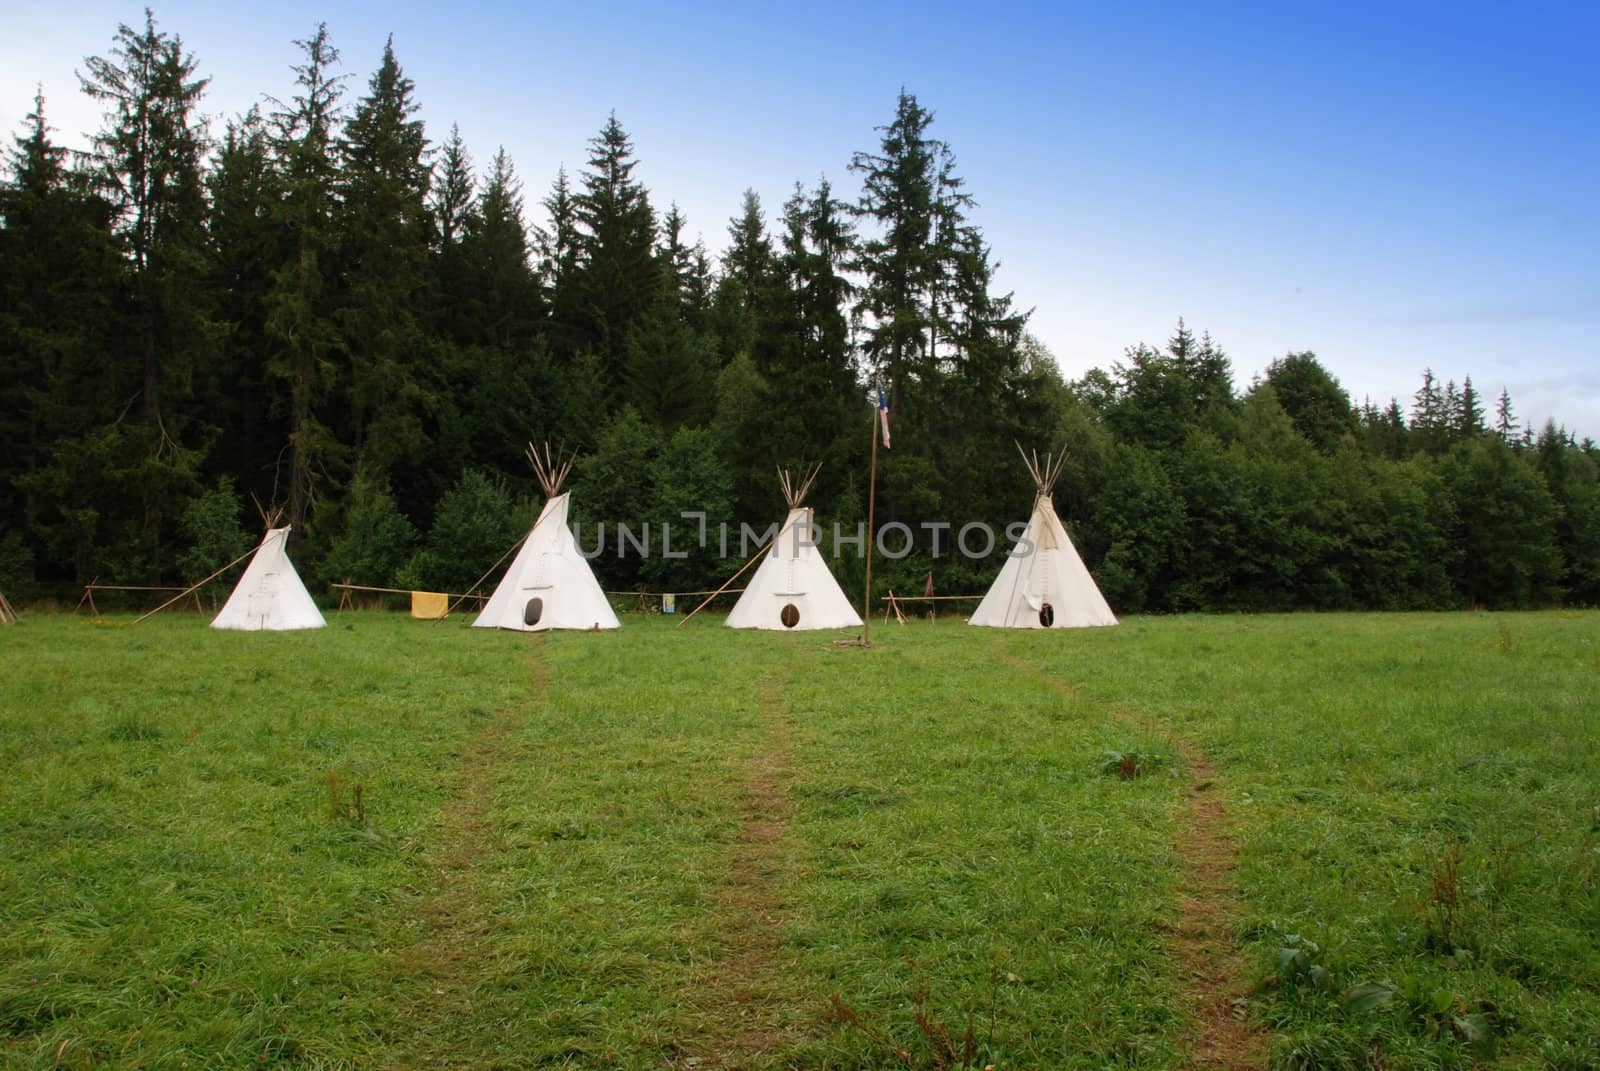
394, 843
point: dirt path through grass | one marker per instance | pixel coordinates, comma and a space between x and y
453, 918
742, 1014
1212, 972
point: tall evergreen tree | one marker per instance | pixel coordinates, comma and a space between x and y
1160, 396
698, 285
817, 244
300, 305
1429, 416
1453, 416
246, 247
617, 279
1469, 420
451, 195
384, 236
147, 162
745, 291
557, 248
1385, 433
899, 263
60, 287
1505, 419
503, 298
451, 190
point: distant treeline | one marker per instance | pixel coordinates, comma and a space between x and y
319, 308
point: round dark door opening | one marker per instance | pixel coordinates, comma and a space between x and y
790, 615
1047, 616
533, 611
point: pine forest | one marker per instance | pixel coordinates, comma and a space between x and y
323, 306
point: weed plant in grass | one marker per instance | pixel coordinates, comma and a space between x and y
658, 845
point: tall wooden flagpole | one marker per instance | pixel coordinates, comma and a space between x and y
872, 503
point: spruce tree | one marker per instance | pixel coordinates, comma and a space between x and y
384, 233
147, 163
557, 268
1453, 417
899, 262
1469, 423
1428, 415
452, 190
744, 293
617, 278
698, 285
810, 361
61, 280
983, 329
451, 195
247, 247
1505, 419
503, 299
677, 256
1383, 431
668, 371
300, 304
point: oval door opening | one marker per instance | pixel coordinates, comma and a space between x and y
790, 615
1047, 616
533, 611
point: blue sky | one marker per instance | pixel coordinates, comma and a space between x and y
1393, 188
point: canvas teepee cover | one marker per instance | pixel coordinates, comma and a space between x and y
549, 584
1046, 586
269, 596
792, 587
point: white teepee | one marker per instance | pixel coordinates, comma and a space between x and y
1044, 584
792, 587
269, 596
549, 584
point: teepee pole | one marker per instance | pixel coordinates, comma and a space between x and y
872, 505
201, 583
725, 584
448, 610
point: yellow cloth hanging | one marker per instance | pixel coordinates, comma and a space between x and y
429, 605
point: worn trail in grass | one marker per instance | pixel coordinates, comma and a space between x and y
1213, 976
742, 1014
1413, 797
453, 917
908, 856
614, 812
976, 891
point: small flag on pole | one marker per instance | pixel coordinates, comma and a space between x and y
883, 411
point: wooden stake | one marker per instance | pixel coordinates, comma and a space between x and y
88, 593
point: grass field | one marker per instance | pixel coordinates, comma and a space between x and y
1357, 841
